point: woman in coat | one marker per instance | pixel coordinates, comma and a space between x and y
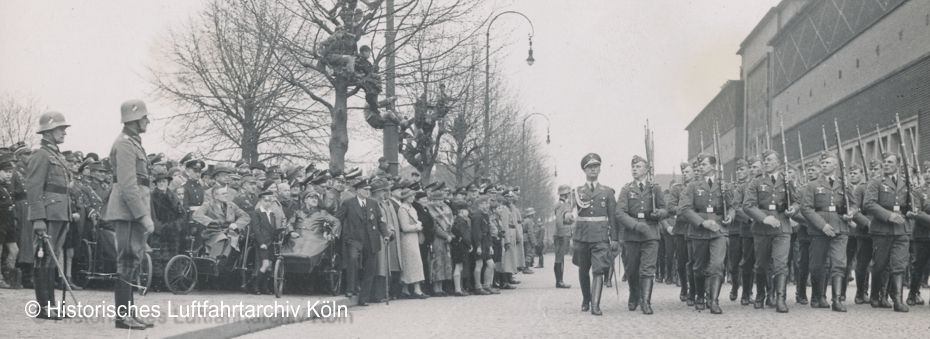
410, 227
441, 256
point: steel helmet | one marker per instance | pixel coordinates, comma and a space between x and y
132, 110
51, 120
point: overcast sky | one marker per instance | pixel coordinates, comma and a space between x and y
602, 68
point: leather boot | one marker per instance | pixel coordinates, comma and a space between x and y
780, 290
714, 284
734, 291
701, 290
883, 292
817, 292
746, 281
559, 283
692, 288
800, 291
897, 290
597, 286
683, 282
875, 294
837, 288
843, 287
635, 294
760, 292
862, 295
585, 280
770, 297
645, 286
540, 263
913, 297
44, 284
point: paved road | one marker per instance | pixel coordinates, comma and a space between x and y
536, 309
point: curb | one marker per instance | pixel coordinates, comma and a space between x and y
246, 326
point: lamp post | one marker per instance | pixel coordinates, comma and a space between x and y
486, 155
524, 146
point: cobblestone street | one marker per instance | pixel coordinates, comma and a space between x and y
536, 309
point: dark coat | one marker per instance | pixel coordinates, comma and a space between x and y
461, 244
429, 229
362, 225
481, 232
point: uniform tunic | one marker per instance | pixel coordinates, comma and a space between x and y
767, 195
47, 193
884, 196
563, 230
641, 228
595, 227
702, 201
821, 204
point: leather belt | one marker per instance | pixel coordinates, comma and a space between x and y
56, 189
771, 208
828, 209
591, 219
143, 181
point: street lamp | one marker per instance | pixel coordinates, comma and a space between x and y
486, 156
524, 146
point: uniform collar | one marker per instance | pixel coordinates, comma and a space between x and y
50, 145
132, 134
591, 184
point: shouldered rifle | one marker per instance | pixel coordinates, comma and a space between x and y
719, 168
907, 169
823, 132
842, 164
650, 156
916, 158
803, 165
881, 144
865, 164
784, 152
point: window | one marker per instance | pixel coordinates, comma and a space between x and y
901, 35
857, 62
839, 74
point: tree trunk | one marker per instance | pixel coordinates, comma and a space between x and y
249, 144
339, 133
425, 174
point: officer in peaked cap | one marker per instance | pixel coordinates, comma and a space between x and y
49, 211
597, 233
193, 187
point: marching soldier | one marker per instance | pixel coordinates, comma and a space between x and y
921, 244
822, 202
736, 250
640, 206
564, 222
680, 234
47, 179
702, 204
746, 239
766, 201
885, 199
129, 208
803, 238
863, 250
596, 233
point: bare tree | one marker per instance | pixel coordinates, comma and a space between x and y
19, 117
223, 71
322, 52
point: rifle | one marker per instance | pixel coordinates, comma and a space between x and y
823, 131
719, 167
784, 152
650, 157
865, 164
803, 165
842, 165
907, 169
916, 158
702, 141
881, 144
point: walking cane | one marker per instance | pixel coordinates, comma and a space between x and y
61, 270
616, 283
387, 279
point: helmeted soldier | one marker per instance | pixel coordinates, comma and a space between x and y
640, 207
47, 178
736, 253
863, 242
703, 204
680, 236
823, 204
766, 201
597, 233
129, 208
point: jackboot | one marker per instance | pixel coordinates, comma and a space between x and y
585, 280
862, 287
770, 298
913, 297
692, 287
540, 263
876, 294
780, 285
760, 292
701, 290
837, 288
597, 286
843, 288
559, 283
746, 280
734, 290
896, 290
817, 291
645, 286
635, 294
800, 291
714, 284
683, 282
44, 284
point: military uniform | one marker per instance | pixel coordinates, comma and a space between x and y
703, 200
129, 204
680, 239
863, 254
595, 228
767, 195
822, 201
743, 259
561, 240
885, 196
921, 243
640, 219
49, 201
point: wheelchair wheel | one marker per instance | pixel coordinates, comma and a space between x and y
144, 278
181, 274
278, 277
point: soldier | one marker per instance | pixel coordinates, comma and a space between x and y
803, 246
863, 251
736, 253
748, 259
129, 208
640, 206
596, 235
703, 203
47, 179
680, 236
766, 201
921, 242
885, 199
7, 222
564, 222
822, 202
193, 189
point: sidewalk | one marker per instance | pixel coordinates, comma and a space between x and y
181, 316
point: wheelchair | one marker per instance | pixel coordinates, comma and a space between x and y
322, 268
